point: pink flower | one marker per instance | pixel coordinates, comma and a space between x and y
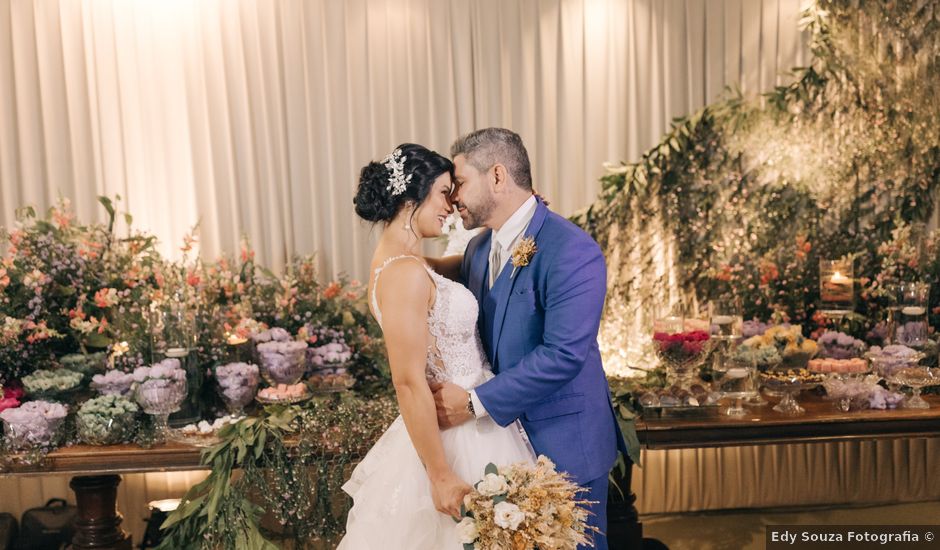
9, 403
13, 392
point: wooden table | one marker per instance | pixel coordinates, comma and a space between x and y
96, 468
95, 482
764, 426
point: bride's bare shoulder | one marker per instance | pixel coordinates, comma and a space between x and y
404, 277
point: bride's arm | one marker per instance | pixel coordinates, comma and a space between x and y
404, 297
448, 266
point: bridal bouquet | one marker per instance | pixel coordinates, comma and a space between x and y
523, 507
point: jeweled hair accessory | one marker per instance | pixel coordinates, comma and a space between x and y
398, 181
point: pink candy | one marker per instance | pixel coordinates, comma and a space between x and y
840, 366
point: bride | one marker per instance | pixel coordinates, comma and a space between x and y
415, 477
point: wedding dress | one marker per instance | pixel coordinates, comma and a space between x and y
392, 506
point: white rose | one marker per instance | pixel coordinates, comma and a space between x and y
507, 515
492, 484
467, 531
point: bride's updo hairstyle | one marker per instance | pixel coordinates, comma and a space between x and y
406, 175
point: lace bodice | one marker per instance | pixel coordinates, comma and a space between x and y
455, 353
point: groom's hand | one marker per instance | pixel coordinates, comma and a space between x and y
451, 402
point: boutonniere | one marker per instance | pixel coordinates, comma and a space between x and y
522, 254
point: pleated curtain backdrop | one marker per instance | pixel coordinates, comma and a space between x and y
254, 116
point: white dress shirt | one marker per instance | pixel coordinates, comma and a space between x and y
506, 238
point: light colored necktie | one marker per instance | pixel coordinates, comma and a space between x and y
495, 262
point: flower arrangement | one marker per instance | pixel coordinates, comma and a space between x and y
160, 387
794, 349
331, 349
238, 383
33, 424
753, 327
523, 507
113, 382
10, 397
276, 334
51, 382
888, 359
838, 345
70, 288
106, 420
762, 356
680, 347
282, 362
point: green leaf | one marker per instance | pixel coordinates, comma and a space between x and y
491, 469
97, 340
182, 512
108, 205
499, 498
259, 445
628, 427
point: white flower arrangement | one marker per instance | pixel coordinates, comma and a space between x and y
524, 506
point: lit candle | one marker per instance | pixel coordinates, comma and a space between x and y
913, 311
837, 289
840, 279
235, 340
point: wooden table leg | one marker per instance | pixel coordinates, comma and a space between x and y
98, 526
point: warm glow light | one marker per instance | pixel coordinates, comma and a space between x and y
235, 340
840, 279
165, 505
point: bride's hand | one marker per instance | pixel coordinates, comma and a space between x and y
447, 491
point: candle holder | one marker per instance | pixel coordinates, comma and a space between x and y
836, 288
732, 380
725, 319
173, 336
911, 314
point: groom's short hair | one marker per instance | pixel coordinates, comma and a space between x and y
489, 146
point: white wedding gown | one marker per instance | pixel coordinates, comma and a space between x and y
392, 507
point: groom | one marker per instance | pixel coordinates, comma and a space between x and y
540, 281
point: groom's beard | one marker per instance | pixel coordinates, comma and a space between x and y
476, 216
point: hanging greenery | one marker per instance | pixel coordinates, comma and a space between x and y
745, 196
289, 462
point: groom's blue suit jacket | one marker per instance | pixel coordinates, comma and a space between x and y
539, 327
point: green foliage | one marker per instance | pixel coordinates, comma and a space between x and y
292, 461
745, 196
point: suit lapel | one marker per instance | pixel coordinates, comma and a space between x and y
535, 225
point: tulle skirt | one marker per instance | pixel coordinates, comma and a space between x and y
392, 505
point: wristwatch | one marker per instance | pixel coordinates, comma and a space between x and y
470, 410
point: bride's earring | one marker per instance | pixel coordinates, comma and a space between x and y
407, 225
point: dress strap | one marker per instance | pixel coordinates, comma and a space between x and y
375, 282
